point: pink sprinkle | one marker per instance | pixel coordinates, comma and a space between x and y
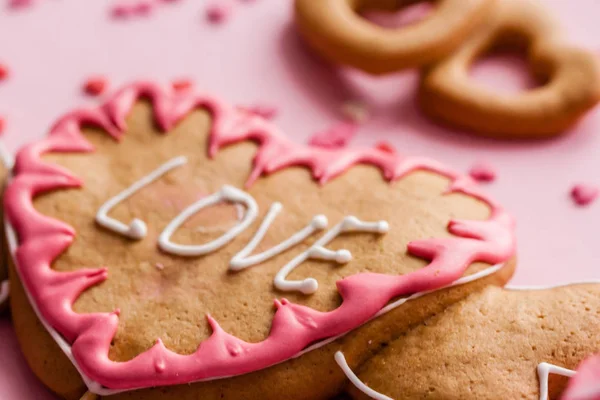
584, 194
262, 110
482, 172
334, 138
354, 111
3, 72
95, 86
218, 13
387, 147
2, 124
142, 8
181, 84
120, 11
159, 266
20, 3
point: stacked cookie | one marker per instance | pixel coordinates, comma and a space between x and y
167, 246
445, 44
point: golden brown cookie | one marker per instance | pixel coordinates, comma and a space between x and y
336, 30
142, 286
495, 344
570, 78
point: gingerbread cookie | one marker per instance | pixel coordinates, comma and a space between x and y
513, 344
570, 77
177, 241
336, 30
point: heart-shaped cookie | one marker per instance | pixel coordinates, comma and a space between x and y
570, 77
497, 343
337, 31
156, 251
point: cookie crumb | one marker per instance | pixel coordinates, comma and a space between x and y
335, 137
355, 111
218, 13
181, 84
583, 194
482, 172
95, 86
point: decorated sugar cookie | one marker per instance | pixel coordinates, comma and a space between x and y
495, 344
570, 78
169, 246
337, 31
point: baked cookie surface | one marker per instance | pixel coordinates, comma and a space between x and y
106, 293
495, 344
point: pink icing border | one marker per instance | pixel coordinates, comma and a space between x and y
42, 239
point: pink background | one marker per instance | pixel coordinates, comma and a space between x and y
256, 57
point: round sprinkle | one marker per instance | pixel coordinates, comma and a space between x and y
482, 172
3, 72
583, 194
181, 84
262, 110
217, 13
386, 147
95, 86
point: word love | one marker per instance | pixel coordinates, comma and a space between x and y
137, 230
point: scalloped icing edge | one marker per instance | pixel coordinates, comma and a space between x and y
85, 337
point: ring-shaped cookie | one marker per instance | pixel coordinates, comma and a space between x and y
335, 29
571, 79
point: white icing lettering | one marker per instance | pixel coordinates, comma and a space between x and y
317, 251
137, 229
227, 193
241, 260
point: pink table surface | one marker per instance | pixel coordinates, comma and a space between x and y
256, 57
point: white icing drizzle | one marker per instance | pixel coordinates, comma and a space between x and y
137, 229
318, 251
525, 288
544, 370
227, 193
242, 261
341, 361
4, 291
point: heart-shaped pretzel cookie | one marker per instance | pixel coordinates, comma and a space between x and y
571, 79
159, 260
499, 343
337, 31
